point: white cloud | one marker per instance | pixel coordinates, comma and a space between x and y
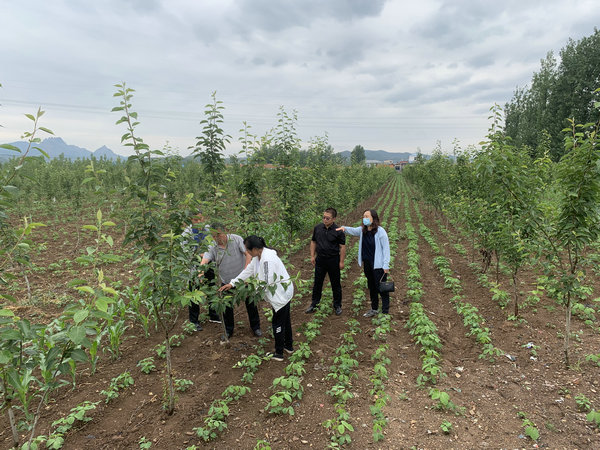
387, 75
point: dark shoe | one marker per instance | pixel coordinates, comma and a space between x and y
311, 309
338, 311
289, 351
198, 327
275, 356
370, 313
257, 332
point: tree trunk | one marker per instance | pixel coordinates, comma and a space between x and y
222, 316
37, 416
13, 426
516, 292
497, 266
170, 383
567, 329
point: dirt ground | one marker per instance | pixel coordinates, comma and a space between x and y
490, 394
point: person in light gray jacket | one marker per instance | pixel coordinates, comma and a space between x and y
374, 257
230, 257
267, 267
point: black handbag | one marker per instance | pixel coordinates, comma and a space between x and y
386, 286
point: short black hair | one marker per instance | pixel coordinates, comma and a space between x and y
331, 211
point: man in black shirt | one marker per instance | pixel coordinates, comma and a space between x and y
327, 253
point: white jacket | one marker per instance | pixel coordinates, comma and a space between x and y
270, 268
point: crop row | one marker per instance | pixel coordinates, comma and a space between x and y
421, 327
289, 388
472, 320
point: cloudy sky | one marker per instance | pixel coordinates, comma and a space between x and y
389, 75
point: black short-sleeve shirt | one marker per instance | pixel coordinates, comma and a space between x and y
328, 240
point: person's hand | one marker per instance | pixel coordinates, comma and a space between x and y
386, 270
313, 260
341, 264
341, 229
225, 287
200, 274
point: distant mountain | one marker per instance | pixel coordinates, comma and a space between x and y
106, 152
379, 155
55, 147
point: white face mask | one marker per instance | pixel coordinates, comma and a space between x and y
366, 221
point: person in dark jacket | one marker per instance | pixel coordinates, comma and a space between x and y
327, 253
194, 235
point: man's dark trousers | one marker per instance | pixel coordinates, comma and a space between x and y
327, 266
253, 317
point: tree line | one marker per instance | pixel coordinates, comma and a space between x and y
561, 89
525, 212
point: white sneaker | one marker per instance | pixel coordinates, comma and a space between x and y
370, 313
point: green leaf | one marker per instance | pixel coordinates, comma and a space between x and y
5, 357
8, 297
10, 147
79, 355
80, 315
76, 334
86, 289
6, 312
42, 152
532, 432
102, 304
102, 314
10, 335
109, 290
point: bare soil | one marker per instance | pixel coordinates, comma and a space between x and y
491, 393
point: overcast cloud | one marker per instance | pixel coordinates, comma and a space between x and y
389, 75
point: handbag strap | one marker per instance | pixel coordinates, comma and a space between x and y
389, 279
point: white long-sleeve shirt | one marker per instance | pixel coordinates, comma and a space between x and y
270, 268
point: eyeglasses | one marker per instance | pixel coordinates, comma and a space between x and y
327, 218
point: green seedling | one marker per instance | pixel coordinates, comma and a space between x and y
182, 384
583, 403
119, 382
594, 417
146, 365
446, 427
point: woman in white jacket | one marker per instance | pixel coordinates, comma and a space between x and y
267, 267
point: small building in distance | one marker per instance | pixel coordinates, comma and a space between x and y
400, 165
